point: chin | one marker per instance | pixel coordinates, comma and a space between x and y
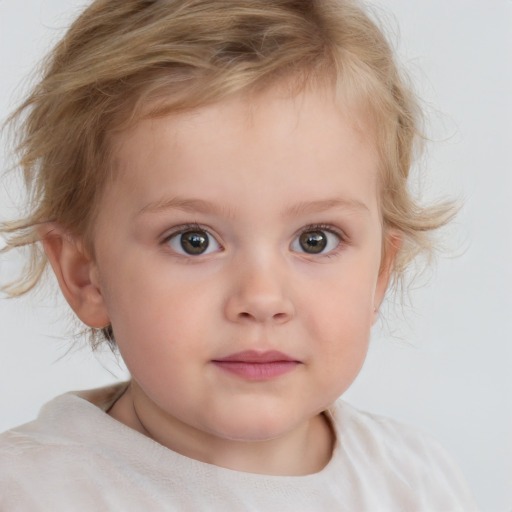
255, 429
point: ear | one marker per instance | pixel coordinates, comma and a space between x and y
76, 273
391, 246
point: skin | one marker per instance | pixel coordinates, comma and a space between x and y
253, 173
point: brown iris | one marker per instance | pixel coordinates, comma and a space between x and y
313, 242
194, 242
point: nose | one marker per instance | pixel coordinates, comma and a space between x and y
259, 295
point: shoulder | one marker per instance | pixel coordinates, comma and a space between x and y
401, 458
64, 422
381, 437
53, 452
380, 433
34, 445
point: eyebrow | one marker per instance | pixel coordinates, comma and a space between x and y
179, 203
203, 206
323, 205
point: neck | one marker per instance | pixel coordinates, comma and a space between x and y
304, 450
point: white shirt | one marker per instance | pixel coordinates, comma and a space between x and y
75, 457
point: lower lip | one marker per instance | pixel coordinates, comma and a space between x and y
257, 371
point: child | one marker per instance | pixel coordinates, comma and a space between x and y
220, 187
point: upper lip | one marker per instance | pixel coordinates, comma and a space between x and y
254, 356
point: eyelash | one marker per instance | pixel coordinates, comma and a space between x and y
327, 228
185, 228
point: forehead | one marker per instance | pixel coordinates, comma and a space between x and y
323, 107
306, 141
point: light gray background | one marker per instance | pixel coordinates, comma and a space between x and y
447, 367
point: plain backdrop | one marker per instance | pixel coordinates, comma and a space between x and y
443, 363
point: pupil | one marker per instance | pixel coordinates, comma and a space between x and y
194, 242
313, 241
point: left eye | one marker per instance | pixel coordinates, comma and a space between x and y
316, 241
193, 242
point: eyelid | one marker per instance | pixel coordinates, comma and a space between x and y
329, 228
324, 227
184, 228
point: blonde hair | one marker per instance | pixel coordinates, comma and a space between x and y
122, 56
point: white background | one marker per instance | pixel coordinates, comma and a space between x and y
447, 367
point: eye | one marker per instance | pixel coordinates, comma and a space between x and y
193, 242
316, 241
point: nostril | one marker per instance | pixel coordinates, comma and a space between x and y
259, 309
278, 317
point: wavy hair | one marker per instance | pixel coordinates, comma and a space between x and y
123, 60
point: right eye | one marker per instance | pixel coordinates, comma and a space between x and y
193, 242
316, 240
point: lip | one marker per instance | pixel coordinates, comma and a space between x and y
254, 365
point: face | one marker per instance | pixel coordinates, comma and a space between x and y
238, 254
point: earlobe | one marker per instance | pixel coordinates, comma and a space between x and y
76, 273
391, 248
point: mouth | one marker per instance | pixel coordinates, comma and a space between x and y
258, 366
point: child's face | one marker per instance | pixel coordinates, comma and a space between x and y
238, 257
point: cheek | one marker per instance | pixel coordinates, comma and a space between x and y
344, 302
340, 317
342, 340
156, 311
159, 336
